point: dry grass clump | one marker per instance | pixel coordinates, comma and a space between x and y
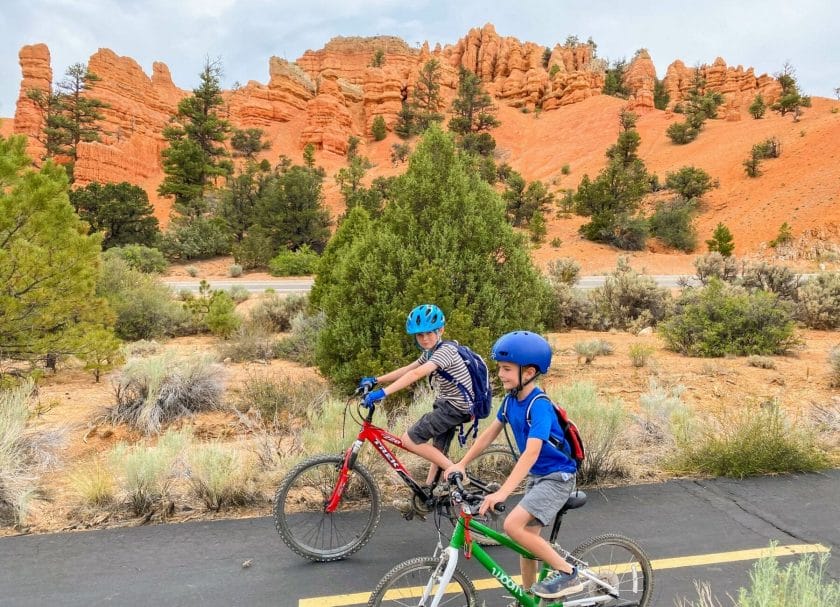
590, 350
24, 454
761, 362
154, 391
640, 354
834, 364
281, 400
220, 476
144, 473
601, 426
251, 341
93, 485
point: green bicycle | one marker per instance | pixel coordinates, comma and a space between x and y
616, 570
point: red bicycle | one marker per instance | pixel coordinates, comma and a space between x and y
328, 506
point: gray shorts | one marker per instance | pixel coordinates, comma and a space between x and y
439, 425
545, 495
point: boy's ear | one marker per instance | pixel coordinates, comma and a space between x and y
529, 372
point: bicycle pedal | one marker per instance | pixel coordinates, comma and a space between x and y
408, 515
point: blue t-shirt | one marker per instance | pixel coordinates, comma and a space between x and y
544, 425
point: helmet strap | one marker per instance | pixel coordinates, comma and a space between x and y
521, 385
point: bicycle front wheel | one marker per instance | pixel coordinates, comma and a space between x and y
619, 562
493, 465
302, 520
415, 582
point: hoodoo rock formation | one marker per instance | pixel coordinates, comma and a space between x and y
337, 91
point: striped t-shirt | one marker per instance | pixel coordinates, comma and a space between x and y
446, 357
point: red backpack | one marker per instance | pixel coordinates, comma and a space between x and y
573, 445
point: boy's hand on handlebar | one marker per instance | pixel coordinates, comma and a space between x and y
366, 383
491, 500
373, 397
454, 468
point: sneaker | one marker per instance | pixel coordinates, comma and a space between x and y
558, 584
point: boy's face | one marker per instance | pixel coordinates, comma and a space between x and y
428, 340
509, 374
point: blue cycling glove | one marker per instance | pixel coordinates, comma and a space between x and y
366, 383
372, 397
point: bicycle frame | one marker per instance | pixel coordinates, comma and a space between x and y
377, 437
461, 539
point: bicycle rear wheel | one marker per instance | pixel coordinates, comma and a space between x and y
620, 562
493, 465
407, 583
302, 521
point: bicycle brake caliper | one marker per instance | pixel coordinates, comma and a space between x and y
467, 537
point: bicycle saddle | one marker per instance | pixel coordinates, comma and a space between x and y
576, 500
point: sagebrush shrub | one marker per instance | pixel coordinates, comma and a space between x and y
819, 301
665, 417
750, 442
601, 425
139, 257
251, 341
771, 278
834, 365
300, 345
719, 319
627, 300
235, 270
761, 362
563, 270
714, 265
276, 312
590, 350
281, 400
239, 293
154, 391
569, 307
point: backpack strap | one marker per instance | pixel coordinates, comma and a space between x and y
551, 440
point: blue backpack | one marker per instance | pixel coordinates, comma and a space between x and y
479, 395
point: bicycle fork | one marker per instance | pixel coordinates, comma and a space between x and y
349, 459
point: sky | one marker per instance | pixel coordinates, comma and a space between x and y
245, 33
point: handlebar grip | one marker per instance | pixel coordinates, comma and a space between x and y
499, 508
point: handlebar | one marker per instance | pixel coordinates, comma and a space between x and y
460, 494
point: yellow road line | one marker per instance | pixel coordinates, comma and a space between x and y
715, 558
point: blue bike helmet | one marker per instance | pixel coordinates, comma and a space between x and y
523, 348
424, 318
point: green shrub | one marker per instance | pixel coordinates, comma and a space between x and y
758, 107
144, 307
399, 153
556, 242
834, 365
682, 133
784, 236
254, 251
672, 224
591, 349
139, 257
239, 294
761, 362
302, 262
235, 270
640, 354
566, 169
196, 239
144, 473
718, 320
601, 424
748, 443
769, 148
300, 345
378, 129
220, 476
819, 301
721, 241
152, 392
275, 312
752, 166
689, 182
221, 318
715, 265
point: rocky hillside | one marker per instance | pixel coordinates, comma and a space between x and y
332, 93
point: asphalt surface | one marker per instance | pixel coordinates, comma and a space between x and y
201, 563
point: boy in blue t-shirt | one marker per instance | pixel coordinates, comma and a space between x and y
522, 357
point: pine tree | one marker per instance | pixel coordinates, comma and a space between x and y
71, 115
721, 241
121, 211
196, 154
426, 99
247, 143
443, 238
378, 129
758, 107
473, 107
791, 99
49, 266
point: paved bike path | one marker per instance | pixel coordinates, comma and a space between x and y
201, 563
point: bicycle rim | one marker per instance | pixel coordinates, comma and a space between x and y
406, 583
303, 523
620, 562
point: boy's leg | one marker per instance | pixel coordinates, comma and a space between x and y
518, 525
439, 425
